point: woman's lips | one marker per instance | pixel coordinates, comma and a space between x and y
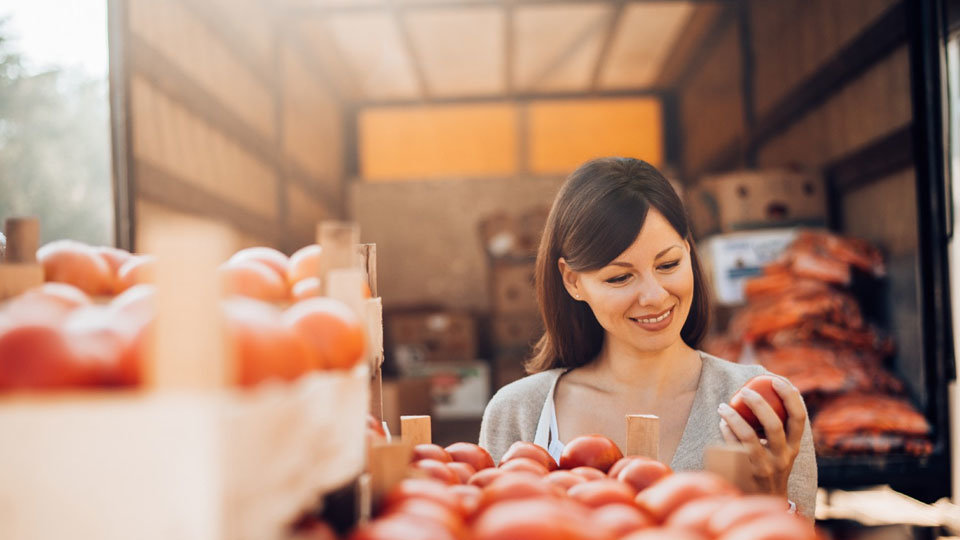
654, 323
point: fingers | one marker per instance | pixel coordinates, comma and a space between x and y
772, 426
744, 433
796, 412
728, 436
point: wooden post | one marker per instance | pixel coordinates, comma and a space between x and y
368, 261
388, 466
415, 430
643, 436
374, 314
19, 270
339, 242
732, 462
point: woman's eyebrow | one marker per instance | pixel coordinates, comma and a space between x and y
628, 265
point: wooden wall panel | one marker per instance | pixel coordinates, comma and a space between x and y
303, 213
895, 199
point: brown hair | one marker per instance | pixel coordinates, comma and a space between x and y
595, 217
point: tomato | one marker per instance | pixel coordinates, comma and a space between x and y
524, 464
263, 347
463, 471
436, 469
138, 270
696, 514
619, 465
114, 257
662, 533
519, 485
305, 263
592, 451
331, 329
601, 492
763, 385
469, 497
643, 472
421, 488
620, 519
253, 279
675, 490
588, 473
375, 425
306, 288
529, 450
564, 479
276, 261
744, 509
403, 526
535, 519
780, 526
50, 303
465, 452
97, 343
430, 451
485, 477
67, 261
37, 356
433, 512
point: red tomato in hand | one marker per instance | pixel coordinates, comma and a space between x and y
430, 451
643, 472
476, 456
594, 451
763, 385
532, 451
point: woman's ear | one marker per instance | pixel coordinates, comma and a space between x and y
571, 278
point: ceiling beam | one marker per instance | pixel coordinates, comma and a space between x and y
566, 54
407, 40
613, 24
688, 41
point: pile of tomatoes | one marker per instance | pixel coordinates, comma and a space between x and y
90, 324
592, 493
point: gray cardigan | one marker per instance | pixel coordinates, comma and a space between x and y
514, 411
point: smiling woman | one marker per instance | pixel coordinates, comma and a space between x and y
624, 306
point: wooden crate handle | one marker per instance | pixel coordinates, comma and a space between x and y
388, 466
23, 240
732, 462
415, 429
368, 261
643, 436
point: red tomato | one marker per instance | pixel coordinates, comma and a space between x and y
306, 288
620, 519
430, 451
278, 262
263, 347
114, 257
421, 488
66, 261
535, 519
662, 533
433, 512
602, 492
619, 465
36, 356
50, 303
594, 451
696, 514
532, 451
763, 385
524, 464
485, 477
331, 329
403, 526
588, 473
469, 497
743, 509
305, 263
463, 471
772, 527
675, 490
253, 279
643, 472
465, 452
138, 270
97, 344
564, 479
436, 469
519, 485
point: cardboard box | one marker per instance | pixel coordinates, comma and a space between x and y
458, 389
407, 395
516, 330
729, 259
429, 336
746, 200
511, 286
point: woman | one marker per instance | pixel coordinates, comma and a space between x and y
624, 304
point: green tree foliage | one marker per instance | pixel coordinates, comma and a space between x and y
55, 149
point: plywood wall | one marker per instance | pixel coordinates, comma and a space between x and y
225, 121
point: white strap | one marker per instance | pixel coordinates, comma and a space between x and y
548, 432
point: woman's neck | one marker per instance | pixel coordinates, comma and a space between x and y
666, 372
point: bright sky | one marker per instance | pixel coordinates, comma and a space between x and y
59, 32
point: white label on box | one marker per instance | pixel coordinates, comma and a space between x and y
732, 258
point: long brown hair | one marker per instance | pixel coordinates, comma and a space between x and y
595, 217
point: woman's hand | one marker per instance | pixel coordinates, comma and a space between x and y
772, 458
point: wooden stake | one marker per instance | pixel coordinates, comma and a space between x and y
368, 261
732, 462
19, 270
374, 314
643, 436
415, 430
388, 466
339, 242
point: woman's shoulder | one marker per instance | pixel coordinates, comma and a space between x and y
527, 392
726, 376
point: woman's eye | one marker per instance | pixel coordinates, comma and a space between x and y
669, 265
618, 279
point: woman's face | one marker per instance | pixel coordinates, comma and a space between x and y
642, 297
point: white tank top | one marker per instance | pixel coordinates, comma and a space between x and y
548, 434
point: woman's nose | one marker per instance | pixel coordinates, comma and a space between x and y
651, 293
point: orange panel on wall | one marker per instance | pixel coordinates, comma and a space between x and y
565, 133
415, 143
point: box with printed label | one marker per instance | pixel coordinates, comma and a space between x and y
730, 259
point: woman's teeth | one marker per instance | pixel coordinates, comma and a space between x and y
656, 319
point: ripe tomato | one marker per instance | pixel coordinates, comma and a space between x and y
36, 356
529, 450
305, 263
276, 261
331, 329
97, 342
436, 469
402, 526
139, 269
421, 488
306, 288
642, 472
114, 257
433, 512
619, 465
430, 451
763, 385
588, 473
253, 279
463, 471
485, 477
592, 451
525, 465
518, 485
696, 514
469, 497
263, 347
780, 526
50, 303
663, 533
564, 479
535, 519
620, 519
66, 261
675, 490
470, 453
602, 492
134, 308
743, 509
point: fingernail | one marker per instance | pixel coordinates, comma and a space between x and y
781, 384
723, 407
747, 392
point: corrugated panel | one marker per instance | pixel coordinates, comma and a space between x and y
372, 46
556, 47
565, 133
644, 38
460, 50
416, 143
